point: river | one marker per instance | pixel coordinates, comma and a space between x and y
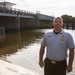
22, 48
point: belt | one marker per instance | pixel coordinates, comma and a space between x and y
54, 61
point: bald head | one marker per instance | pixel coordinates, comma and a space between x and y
58, 18
58, 23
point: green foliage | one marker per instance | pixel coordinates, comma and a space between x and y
68, 18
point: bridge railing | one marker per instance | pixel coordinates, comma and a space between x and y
16, 11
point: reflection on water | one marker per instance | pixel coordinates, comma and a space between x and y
18, 40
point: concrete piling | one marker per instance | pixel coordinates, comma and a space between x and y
2, 36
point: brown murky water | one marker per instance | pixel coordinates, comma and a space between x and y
22, 48
18, 40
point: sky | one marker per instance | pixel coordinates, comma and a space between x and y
48, 7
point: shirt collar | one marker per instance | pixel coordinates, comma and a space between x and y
62, 31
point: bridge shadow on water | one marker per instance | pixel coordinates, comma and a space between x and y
17, 40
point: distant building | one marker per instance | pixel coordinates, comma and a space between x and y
7, 4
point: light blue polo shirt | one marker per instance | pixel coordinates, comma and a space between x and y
57, 45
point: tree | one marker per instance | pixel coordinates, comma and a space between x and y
67, 18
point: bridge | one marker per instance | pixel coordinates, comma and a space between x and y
12, 18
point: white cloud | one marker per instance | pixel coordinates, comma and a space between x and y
56, 7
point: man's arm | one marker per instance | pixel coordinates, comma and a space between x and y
71, 58
41, 53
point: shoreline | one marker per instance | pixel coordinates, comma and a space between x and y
7, 68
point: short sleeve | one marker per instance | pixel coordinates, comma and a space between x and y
70, 42
43, 41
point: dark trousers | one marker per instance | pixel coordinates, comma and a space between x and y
58, 68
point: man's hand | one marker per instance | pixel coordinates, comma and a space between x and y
69, 68
41, 63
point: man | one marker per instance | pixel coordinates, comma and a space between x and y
57, 43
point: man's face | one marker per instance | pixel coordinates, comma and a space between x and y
58, 23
